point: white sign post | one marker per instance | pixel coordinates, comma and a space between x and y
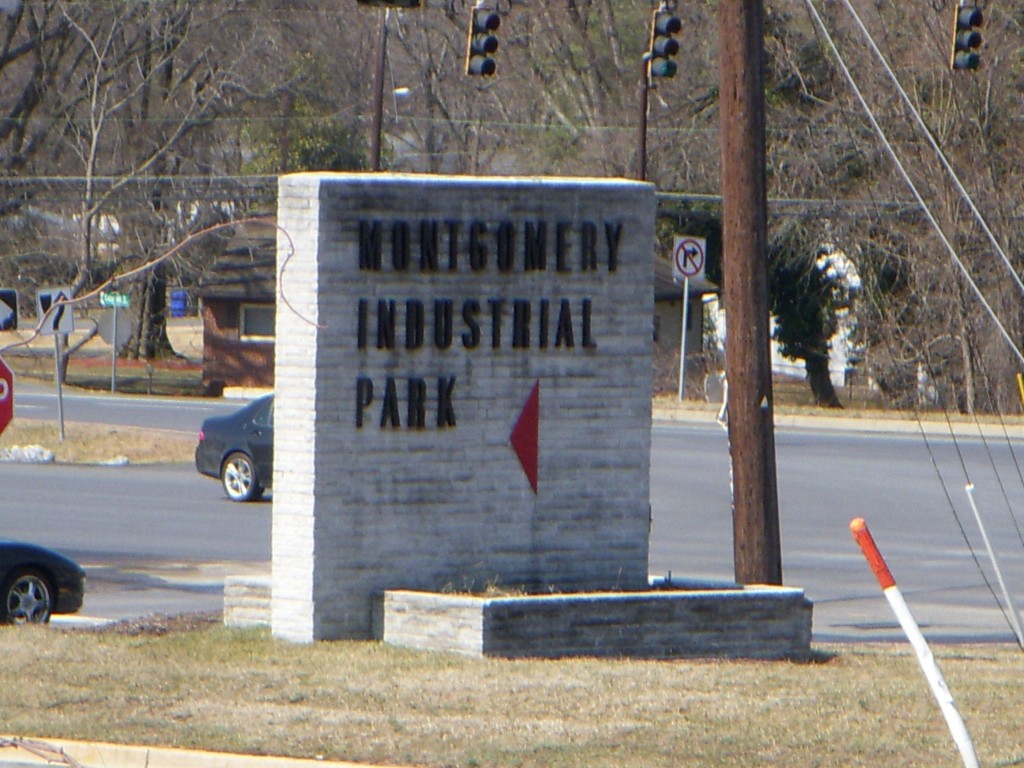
687, 261
117, 332
56, 319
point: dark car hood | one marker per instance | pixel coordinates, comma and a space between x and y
17, 551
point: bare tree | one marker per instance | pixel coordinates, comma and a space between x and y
129, 100
136, 115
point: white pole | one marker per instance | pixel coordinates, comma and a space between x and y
113, 353
1010, 607
57, 354
924, 655
682, 340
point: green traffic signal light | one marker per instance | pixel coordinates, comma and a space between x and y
663, 68
966, 38
481, 43
664, 26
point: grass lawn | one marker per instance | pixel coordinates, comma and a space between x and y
94, 443
169, 376
191, 683
241, 691
30, 356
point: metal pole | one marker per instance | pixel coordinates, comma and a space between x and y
682, 339
378, 92
645, 86
113, 354
756, 541
1011, 608
57, 354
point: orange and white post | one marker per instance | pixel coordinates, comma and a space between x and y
924, 655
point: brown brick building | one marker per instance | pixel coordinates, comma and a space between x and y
238, 307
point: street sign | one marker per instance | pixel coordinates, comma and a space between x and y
114, 299
687, 264
8, 309
688, 257
114, 327
6, 395
54, 316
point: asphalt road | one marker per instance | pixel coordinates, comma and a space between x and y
35, 400
161, 539
152, 539
910, 491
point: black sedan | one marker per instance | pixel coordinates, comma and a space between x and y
36, 582
239, 449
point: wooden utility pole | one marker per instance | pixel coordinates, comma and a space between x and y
757, 549
380, 56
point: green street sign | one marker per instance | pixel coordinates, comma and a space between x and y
112, 299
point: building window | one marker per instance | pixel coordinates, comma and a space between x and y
257, 322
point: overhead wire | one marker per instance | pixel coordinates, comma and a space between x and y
912, 186
930, 449
929, 136
823, 30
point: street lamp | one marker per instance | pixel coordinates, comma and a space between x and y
378, 73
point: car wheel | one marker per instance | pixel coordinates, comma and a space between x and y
238, 476
27, 598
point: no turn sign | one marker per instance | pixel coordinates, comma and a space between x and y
688, 257
6, 395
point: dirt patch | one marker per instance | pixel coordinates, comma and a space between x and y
162, 624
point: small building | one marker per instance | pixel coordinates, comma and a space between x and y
237, 297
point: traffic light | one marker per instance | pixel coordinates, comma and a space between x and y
664, 26
482, 44
967, 20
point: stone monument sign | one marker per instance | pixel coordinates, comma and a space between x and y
463, 382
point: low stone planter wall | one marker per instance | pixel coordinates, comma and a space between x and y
247, 601
751, 622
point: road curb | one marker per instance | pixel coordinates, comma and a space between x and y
24, 752
934, 425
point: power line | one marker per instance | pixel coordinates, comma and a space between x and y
935, 147
1013, 621
979, 294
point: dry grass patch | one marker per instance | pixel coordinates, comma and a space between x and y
241, 691
94, 443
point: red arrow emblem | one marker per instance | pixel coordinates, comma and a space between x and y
524, 437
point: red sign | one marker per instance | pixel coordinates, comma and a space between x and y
525, 435
689, 257
6, 395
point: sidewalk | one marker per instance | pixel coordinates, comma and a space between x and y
33, 753
892, 422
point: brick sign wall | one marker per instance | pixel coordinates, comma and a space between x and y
463, 378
